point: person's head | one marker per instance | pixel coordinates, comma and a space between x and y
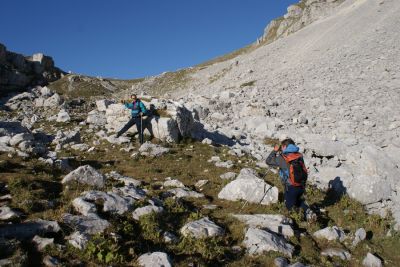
286, 142
134, 97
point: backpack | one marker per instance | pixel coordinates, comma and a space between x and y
298, 173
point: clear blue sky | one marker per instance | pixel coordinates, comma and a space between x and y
133, 38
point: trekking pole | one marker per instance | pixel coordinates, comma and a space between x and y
245, 203
141, 129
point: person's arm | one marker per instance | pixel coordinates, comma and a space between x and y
128, 105
143, 108
275, 159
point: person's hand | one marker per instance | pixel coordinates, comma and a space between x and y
276, 148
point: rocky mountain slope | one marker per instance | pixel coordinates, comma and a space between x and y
200, 194
17, 72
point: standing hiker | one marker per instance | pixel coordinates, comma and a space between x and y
138, 110
293, 173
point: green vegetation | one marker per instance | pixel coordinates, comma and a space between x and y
127, 239
251, 83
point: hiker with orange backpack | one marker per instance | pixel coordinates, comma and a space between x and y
293, 173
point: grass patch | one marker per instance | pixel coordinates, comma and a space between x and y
251, 83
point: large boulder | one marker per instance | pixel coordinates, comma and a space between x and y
202, 228
86, 175
257, 241
29, 229
90, 224
247, 186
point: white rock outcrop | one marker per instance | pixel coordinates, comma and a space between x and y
247, 186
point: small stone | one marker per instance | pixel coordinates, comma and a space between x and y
155, 259
336, 252
41, 242
228, 176
331, 233
139, 212
50, 261
202, 228
360, 235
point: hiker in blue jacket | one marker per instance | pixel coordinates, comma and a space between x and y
138, 110
293, 174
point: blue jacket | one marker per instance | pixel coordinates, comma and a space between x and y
276, 160
136, 107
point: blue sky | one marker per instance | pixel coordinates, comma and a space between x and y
133, 38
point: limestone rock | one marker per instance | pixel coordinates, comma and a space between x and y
103, 104
86, 175
184, 192
372, 261
273, 222
90, 224
173, 183
257, 241
331, 233
336, 252
50, 261
359, 236
155, 259
41, 242
202, 228
153, 150
78, 240
137, 213
112, 202
249, 187
63, 116
228, 176
8, 214
29, 229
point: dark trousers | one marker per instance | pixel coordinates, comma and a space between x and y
129, 124
294, 197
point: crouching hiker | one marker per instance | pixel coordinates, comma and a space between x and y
293, 173
138, 110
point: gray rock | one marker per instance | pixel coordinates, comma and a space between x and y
331, 233
257, 241
83, 207
53, 101
50, 261
200, 183
184, 192
131, 192
359, 236
336, 252
80, 147
173, 183
41, 242
21, 137
202, 228
66, 137
372, 261
90, 224
125, 179
63, 116
153, 150
139, 212
170, 237
282, 262
155, 259
8, 214
228, 176
103, 104
96, 118
273, 222
86, 175
78, 240
249, 187
29, 229
112, 202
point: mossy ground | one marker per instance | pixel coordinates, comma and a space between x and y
38, 193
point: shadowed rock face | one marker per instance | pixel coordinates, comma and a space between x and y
18, 72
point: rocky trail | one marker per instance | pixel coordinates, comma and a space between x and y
199, 193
